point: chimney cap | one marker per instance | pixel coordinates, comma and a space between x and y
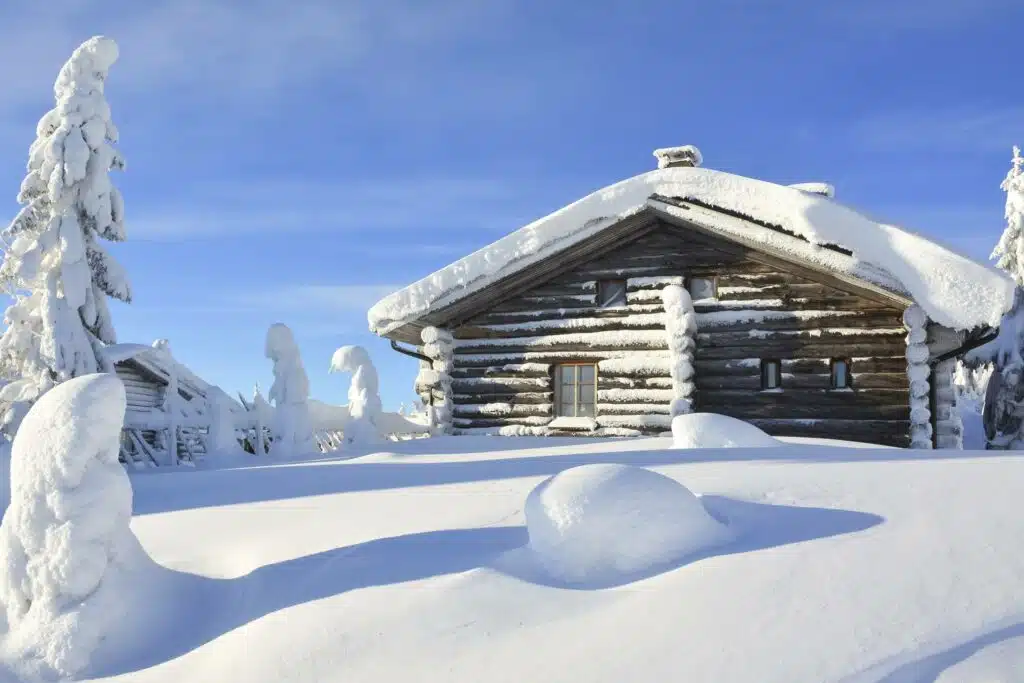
676, 157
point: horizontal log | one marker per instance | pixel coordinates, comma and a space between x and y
501, 410
515, 398
494, 385
801, 412
650, 423
796, 320
648, 321
892, 336
484, 358
635, 395
632, 409
606, 382
883, 432
509, 370
575, 341
491, 318
803, 381
815, 398
566, 289
801, 349
492, 422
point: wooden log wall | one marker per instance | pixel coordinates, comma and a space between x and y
504, 357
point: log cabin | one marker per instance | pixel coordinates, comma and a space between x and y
690, 289
151, 377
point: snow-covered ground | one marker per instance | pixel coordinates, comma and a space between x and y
847, 564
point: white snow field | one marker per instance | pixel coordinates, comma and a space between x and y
852, 565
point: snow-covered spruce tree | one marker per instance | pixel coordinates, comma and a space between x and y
54, 266
1004, 402
438, 345
681, 326
918, 372
364, 406
292, 430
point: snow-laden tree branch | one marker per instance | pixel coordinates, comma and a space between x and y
55, 265
364, 406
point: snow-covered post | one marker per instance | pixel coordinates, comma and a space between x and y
364, 406
172, 399
72, 567
439, 346
681, 327
293, 432
54, 266
222, 437
918, 372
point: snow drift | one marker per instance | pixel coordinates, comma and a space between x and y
709, 430
71, 564
598, 523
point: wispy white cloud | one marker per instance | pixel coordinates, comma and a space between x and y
961, 129
220, 49
353, 212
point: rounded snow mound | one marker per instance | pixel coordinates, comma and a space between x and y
709, 430
597, 523
70, 561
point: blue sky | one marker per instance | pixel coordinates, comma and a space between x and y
295, 161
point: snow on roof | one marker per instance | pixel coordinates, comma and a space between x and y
159, 360
824, 189
954, 290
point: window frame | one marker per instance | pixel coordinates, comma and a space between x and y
557, 371
832, 374
601, 284
765, 364
713, 279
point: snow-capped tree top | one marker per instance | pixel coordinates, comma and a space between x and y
280, 344
349, 359
1009, 252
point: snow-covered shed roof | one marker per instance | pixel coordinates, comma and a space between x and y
955, 291
157, 361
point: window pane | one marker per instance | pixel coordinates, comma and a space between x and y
611, 293
839, 375
568, 375
703, 288
586, 410
587, 393
586, 374
566, 409
771, 374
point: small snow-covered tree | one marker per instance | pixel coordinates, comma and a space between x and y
364, 406
1004, 400
293, 433
54, 266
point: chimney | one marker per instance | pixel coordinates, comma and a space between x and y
686, 156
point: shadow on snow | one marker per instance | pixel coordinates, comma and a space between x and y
205, 609
758, 526
169, 491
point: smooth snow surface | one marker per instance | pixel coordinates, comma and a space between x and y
952, 289
849, 565
601, 523
69, 557
710, 430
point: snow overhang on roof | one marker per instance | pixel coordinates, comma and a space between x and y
955, 291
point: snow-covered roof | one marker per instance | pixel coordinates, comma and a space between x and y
158, 360
954, 290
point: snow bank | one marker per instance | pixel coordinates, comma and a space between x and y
709, 430
597, 523
953, 290
70, 562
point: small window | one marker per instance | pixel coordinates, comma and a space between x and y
703, 288
840, 373
611, 293
577, 390
771, 374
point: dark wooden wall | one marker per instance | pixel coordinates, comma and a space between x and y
502, 356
